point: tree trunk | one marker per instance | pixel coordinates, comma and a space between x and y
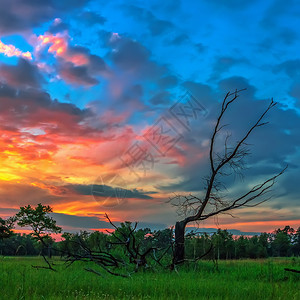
179, 242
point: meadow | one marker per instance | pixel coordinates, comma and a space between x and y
231, 279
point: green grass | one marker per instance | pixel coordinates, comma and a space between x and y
238, 279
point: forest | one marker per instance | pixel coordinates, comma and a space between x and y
221, 244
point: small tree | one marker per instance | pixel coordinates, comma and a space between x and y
6, 227
41, 224
230, 160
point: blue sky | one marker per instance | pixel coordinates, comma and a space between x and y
82, 81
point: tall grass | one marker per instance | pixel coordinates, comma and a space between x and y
238, 279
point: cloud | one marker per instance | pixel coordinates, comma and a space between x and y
87, 190
12, 195
180, 39
58, 26
167, 81
11, 50
276, 10
24, 74
160, 98
290, 67
91, 18
129, 54
224, 64
295, 92
20, 15
34, 107
155, 25
75, 64
265, 161
77, 75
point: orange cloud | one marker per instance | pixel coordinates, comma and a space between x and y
11, 50
59, 47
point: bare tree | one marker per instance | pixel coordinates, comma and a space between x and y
135, 248
230, 160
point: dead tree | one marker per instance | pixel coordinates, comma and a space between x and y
136, 254
126, 238
195, 208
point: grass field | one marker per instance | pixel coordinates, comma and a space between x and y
239, 279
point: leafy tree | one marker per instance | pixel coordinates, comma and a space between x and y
223, 244
264, 246
6, 227
282, 241
38, 219
296, 242
241, 247
41, 224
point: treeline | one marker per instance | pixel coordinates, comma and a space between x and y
219, 245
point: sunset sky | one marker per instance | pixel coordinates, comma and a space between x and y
84, 84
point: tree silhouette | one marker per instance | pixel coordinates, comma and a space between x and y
41, 224
230, 160
6, 227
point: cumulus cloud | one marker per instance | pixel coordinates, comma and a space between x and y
75, 64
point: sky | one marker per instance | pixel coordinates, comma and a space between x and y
86, 85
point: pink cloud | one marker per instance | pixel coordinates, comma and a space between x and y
11, 50
59, 46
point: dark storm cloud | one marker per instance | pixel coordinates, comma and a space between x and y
20, 15
24, 74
